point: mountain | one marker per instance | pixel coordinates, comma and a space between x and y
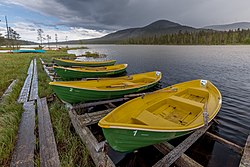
157, 28
227, 27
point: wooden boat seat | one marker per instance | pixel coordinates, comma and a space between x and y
95, 68
150, 119
198, 91
187, 101
124, 84
129, 83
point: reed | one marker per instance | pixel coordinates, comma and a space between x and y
72, 151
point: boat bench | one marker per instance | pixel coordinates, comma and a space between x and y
198, 91
151, 119
186, 101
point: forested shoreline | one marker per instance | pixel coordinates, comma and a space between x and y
196, 38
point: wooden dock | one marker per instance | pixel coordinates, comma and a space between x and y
34, 85
24, 94
24, 149
82, 121
25, 145
48, 149
8, 90
245, 160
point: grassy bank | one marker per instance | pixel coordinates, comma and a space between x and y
71, 150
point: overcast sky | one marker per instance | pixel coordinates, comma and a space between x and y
82, 19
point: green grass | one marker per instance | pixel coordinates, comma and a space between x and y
72, 151
12, 66
94, 55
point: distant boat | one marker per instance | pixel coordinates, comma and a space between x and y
88, 72
104, 88
28, 51
70, 63
5, 51
162, 115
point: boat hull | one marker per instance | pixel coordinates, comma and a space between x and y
86, 64
68, 74
126, 140
162, 115
28, 51
76, 95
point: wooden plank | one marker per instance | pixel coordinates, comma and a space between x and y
9, 89
24, 94
92, 118
183, 160
227, 143
112, 105
245, 159
25, 145
30, 70
171, 157
34, 85
99, 158
46, 70
78, 106
48, 150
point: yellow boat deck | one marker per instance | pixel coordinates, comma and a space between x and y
127, 82
96, 69
168, 110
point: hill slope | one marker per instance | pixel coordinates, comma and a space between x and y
157, 28
227, 27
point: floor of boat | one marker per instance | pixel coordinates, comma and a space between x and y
171, 115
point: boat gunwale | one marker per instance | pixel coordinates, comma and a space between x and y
158, 129
109, 90
89, 71
161, 129
84, 62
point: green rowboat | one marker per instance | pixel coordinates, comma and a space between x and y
89, 72
70, 63
162, 115
104, 88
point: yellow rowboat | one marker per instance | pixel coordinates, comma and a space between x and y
104, 88
89, 72
162, 115
70, 63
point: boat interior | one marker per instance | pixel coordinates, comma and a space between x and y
179, 109
113, 83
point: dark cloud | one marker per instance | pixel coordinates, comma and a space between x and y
118, 14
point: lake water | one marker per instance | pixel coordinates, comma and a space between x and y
228, 67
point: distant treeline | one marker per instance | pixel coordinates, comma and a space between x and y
196, 38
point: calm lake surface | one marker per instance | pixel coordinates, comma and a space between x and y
228, 67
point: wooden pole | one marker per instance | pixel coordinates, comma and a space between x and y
91, 104
99, 158
245, 159
184, 160
229, 144
171, 157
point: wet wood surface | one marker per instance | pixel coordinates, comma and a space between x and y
48, 149
99, 158
46, 70
178, 151
245, 159
34, 85
9, 89
92, 118
182, 161
24, 94
227, 143
25, 145
91, 104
